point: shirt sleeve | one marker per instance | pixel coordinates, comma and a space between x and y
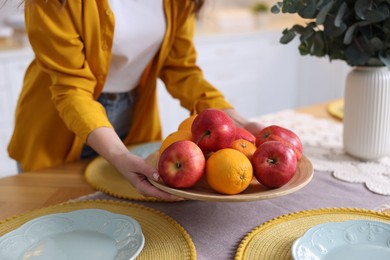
55, 35
182, 77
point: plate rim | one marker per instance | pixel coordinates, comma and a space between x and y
339, 224
266, 241
70, 215
242, 197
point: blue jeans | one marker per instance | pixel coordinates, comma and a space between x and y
119, 109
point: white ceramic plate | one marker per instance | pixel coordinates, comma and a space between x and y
77, 235
356, 239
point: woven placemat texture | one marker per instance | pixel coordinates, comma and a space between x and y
105, 178
164, 237
274, 239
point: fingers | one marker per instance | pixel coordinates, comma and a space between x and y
137, 172
148, 189
141, 167
145, 188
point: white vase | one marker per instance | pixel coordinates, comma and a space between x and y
366, 119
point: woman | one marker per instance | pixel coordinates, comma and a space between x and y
83, 70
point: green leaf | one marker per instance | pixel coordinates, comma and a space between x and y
321, 16
349, 34
321, 3
275, 9
377, 44
308, 9
318, 45
386, 27
290, 6
288, 36
336, 54
355, 57
304, 49
377, 15
307, 33
298, 28
340, 14
362, 7
332, 31
365, 45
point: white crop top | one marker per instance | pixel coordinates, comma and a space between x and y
139, 30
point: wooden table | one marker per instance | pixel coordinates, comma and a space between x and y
31, 190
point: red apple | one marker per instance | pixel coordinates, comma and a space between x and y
182, 164
274, 164
281, 134
213, 130
242, 133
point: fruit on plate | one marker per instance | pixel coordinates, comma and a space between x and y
213, 130
182, 164
274, 164
187, 123
242, 133
281, 134
174, 137
228, 171
244, 146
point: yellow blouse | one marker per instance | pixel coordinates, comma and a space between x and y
57, 108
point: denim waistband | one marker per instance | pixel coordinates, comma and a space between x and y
116, 96
119, 110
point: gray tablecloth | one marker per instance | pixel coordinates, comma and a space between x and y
217, 228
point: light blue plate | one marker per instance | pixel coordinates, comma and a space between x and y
356, 239
77, 235
144, 150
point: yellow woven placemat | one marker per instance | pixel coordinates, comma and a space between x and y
274, 239
164, 237
105, 178
336, 108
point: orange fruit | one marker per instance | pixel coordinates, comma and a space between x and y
174, 137
245, 147
228, 171
187, 123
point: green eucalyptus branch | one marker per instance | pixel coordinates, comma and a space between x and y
355, 31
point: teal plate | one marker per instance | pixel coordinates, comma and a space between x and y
356, 239
144, 150
77, 235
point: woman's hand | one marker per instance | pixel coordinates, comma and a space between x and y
137, 172
106, 142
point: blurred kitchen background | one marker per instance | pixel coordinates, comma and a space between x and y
238, 51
